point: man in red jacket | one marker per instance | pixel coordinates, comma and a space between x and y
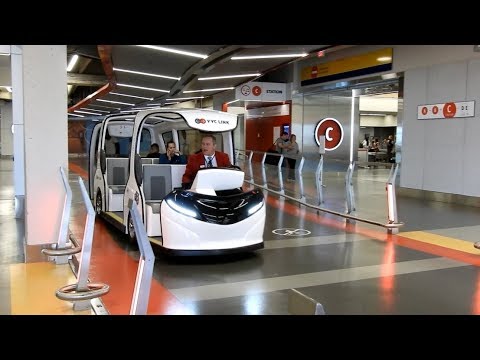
209, 157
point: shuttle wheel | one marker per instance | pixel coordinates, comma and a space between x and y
131, 230
98, 202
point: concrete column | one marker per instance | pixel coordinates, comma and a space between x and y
39, 81
6, 121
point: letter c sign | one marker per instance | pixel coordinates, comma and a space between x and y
333, 132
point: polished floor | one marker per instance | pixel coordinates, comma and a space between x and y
429, 267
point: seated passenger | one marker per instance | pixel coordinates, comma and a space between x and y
154, 151
209, 157
111, 145
172, 156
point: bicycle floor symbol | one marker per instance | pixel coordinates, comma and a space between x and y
291, 232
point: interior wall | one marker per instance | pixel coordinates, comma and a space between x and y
319, 106
259, 131
441, 154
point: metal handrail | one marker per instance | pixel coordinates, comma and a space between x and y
319, 182
143, 281
391, 195
349, 188
60, 250
82, 291
388, 225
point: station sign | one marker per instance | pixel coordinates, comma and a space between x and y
262, 91
333, 132
448, 110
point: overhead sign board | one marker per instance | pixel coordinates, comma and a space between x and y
261, 91
363, 64
448, 110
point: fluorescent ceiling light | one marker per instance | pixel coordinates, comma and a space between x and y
70, 114
106, 107
4, 54
115, 102
181, 52
138, 97
384, 58
216, 89
146, 74
138, 109
143, 88
103, 111
372, 114
228, 76
86, 112
171, 103
231, 102
187, 98
267, 56
72, 62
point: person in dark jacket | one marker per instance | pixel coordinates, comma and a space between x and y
172, 156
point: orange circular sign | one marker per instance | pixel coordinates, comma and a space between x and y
424, 110
449, 110
333, 132
435, 110
256, 90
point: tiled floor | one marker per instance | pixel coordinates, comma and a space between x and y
349, 267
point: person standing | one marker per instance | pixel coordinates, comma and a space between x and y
291, 152
390, 146
208, 157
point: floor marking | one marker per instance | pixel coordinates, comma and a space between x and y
444, 241
252, 287
314, 240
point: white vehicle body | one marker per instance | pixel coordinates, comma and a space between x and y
117, 181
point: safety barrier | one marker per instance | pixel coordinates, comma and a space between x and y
82, 292
141, 293
60, 250
301, 304
392, 219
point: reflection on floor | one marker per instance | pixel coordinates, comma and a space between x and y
349, 267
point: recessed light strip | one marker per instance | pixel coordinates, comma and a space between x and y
103, 111
106, 107
72, 62
115, 102
181, 52
216, 89
146, 74
186, 98
134, 96
267, 56
143, 88
87, 112
228, 76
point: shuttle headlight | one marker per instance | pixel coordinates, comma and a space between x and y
255, 208
182, 209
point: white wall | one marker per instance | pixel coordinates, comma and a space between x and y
441, 154
378, 121
6, 136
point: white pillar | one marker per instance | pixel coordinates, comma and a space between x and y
6, 121
39, 81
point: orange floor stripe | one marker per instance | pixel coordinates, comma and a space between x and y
111, 265
374, 234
